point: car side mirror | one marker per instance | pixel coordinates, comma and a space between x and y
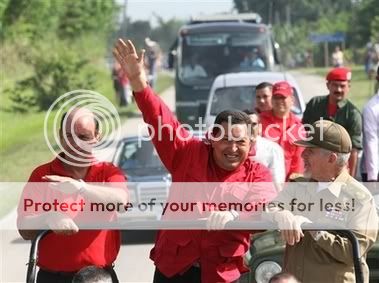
171, 59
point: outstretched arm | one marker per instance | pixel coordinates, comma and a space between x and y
168, 136
132, 63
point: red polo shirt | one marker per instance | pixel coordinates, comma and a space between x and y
87, 247
285, 132
219, 253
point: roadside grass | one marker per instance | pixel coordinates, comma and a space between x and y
362, 89
22, 142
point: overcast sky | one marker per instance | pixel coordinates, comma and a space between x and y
180, 9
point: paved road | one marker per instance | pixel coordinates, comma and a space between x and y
133, 264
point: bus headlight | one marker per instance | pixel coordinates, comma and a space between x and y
266, 270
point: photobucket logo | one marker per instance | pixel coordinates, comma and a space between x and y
77, 146
291, 132
275, 132
165, 130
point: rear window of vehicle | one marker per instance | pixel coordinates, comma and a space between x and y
241, 98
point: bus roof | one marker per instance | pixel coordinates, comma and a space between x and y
243, 17
222, 27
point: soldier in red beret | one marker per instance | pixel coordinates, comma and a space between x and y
337, 108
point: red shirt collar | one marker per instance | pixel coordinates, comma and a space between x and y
57, 167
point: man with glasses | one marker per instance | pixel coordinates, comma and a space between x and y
68, 249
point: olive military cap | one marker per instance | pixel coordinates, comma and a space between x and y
327, 135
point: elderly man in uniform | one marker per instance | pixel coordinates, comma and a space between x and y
197, 255
322, 256
337, 108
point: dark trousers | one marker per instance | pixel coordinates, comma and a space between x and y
44, 276
193, 275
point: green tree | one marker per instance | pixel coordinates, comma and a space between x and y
59, 42
138, 31
23, 19
86, 16
54, 73
364, 24
166, 32
293, 11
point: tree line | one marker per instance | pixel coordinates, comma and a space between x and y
294, 20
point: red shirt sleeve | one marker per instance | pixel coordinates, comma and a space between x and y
168, 136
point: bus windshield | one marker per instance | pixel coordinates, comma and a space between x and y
207, 55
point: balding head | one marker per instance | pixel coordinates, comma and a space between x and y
79, 132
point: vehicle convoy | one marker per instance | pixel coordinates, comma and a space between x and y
212, 45
237, 91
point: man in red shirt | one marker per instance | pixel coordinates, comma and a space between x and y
199, 255
282, 126
65, 251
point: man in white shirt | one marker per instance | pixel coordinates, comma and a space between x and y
371, 137
267, 152
194, 70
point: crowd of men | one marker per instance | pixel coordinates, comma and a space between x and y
267, 145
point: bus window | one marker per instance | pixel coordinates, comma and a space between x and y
207, 55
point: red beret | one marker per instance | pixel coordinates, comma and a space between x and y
282, 89
339, 74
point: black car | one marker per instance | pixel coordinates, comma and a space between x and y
147, 179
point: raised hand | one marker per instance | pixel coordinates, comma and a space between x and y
132, 63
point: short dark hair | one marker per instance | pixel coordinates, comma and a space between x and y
263, 85
92, 274
94, 119
234, 116
250, 112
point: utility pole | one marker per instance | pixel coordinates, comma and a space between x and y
123, 24
270, 4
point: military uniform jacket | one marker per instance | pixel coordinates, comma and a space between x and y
347, 116
328, 257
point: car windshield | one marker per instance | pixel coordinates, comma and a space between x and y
139, 154
207, 55
241, 98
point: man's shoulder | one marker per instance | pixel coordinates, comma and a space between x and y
42, 170
104, 166
318, 99
351, 106
296, 120
259, 169
266, 115
372, 104
268, 144
356, 190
